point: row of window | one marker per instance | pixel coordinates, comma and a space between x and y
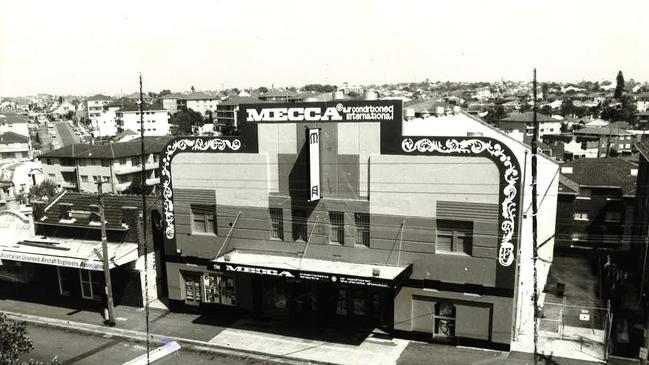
95, 178
451, 236
609, 216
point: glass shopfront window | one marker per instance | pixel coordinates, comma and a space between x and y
219, 289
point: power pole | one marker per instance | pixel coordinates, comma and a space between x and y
535, 295
108, 287
143, 159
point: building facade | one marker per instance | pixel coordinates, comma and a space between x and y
59, 261
78, 167
156, 120
95, 105
340, 213
608, 141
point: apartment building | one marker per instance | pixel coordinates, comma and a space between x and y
79, 166
156, 119
608, 141
95, 105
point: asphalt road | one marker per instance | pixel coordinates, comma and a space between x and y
76, 348
65, 134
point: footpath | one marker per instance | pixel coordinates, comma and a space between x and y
262, 340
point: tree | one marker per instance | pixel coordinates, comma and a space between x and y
136, 188
60, 100
262, 90
46, 190
567, 107
193, 89
545, 90
164, 92
187, 121
13, 340
619, 87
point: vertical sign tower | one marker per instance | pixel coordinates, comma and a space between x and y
313, 137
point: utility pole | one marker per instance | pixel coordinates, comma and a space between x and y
108, 288
143, 159
535, 295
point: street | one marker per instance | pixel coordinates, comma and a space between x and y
64, 135
75, 348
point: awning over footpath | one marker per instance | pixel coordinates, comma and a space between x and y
369, 275
75, 253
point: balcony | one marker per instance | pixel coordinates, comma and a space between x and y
129, 169
66, 184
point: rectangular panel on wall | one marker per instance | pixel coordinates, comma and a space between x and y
473, 321
467, 211
183, 198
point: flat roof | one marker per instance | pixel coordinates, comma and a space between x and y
307, 268
68, 252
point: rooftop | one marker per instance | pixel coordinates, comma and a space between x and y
110, 150
603, 172
528, 117
603, 131
81, 208
236, 100
8, 117
11, 137
99, 97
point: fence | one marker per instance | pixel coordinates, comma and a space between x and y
589, 323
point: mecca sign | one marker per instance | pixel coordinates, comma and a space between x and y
313, 137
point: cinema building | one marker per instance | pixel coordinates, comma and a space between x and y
344, 213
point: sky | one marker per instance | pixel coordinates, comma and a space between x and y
86, 47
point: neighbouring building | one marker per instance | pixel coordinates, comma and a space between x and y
14, 146
524, 123
60, 262
277, 96
201, 102
596, 204
156, 119
12, 122
640, 248
343, 214
78, 167
608, 141
226, 112
96, 105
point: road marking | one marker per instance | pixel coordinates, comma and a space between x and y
156, 354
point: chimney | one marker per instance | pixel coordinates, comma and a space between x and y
64, 209
129, 221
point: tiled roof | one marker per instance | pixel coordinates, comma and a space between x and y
8, 117
236, 100
99, 97
643, 148
602, 131
621, 125
613, 171
11, 137
110, 150
278, 93
81, 203
528, 117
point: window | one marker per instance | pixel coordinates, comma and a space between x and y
277, 222
192, 288
613, 217
581, 216
362, 221
203, 219
122, 161
135, 161
579, 236
84, 178
444, 319
90, 286
219, 289
454, 236
82, 162
155, 156
299, 225
105, 163
337, 227
107, 179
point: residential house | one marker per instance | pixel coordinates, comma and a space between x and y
608, 141
524, 123
14, 146
12, 122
